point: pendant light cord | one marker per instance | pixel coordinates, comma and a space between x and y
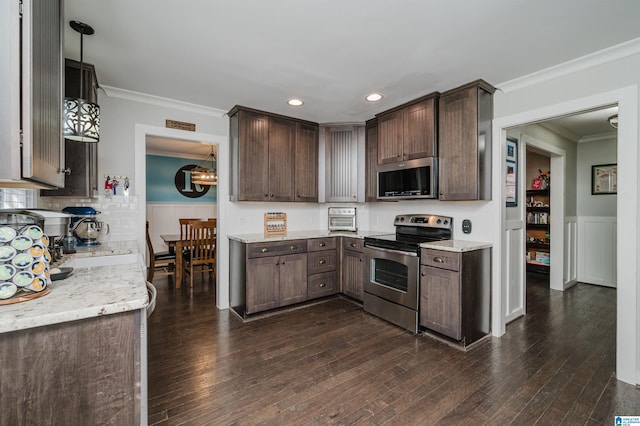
81, 62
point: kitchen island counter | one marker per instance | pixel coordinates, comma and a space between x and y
88, 292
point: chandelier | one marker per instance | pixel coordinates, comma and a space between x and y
205, 173
81, 118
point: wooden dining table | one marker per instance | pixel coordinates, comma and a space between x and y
175, 243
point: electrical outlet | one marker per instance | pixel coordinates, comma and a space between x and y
466, 226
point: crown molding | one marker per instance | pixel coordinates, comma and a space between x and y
129, 95
610, 54
599, 137
560, 130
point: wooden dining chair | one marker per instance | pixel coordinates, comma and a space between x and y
164, 258
202, 249
184, 226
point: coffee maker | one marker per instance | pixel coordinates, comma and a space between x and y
85, 226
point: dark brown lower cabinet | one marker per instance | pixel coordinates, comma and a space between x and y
455, 293
84, 372
353, 274
276, 281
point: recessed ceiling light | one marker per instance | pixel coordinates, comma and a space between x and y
295, 102
374, 97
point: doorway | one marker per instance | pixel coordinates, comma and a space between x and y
142, 131
627, 212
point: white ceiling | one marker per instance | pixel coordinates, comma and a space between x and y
331, 53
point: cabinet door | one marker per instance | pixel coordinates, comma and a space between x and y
390, 129
282, 138
263, 284
371, 171
293, 279
253, 152
440, 301
321, 285
353, 274
42, 67
341, 164
419, 140
458, 145
306, 164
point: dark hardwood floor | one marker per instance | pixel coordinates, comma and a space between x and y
331, 363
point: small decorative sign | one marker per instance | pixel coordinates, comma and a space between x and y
180, 125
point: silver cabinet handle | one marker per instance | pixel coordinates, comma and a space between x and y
438, 259
293, 247
322, 261
354, 245
322, 285
322, 244
264, 250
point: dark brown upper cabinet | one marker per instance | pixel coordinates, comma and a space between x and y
371, 149
81, 179
464, 160
408, 131
306, 170
274, 158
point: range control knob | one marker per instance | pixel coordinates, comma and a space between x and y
446, 222
439, 221
402, 219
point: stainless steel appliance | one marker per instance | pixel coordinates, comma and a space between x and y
392, 267
408, 179
342, 219
85, 226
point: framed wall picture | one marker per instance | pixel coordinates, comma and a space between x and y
512, 150
604, 179
512, 173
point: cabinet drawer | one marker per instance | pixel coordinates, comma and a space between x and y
276, 248
353, 244
440, 259
317, 244
322, 261
320, 285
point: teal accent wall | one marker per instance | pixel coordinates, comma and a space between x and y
161, 182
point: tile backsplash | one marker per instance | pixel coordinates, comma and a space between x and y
119, 212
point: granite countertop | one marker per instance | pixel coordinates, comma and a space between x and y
86, 293
109, 248
301, 235
458, 246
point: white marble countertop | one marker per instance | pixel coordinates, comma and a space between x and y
457, 246
301, 235
87, 292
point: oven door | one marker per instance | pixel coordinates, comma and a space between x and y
392, 275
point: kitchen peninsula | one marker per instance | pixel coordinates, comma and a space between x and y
78, 354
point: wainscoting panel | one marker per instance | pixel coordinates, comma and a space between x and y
597, 250
570, 264
163, 218
515, 263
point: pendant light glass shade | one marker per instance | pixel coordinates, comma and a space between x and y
205, 173
81, 118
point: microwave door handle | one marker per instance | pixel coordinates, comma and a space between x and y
406, 253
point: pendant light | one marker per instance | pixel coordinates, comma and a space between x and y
205, 173
81, 118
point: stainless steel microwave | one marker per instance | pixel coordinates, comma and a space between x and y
408, 179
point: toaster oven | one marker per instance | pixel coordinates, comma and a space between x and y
342, 219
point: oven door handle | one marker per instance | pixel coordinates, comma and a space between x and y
406, 253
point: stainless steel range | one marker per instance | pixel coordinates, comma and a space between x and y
392, 267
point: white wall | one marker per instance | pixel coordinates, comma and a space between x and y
590, 154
